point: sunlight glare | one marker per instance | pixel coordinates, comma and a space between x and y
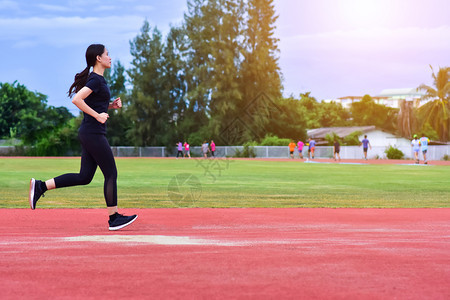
363, 13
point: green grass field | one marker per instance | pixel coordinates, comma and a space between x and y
148, 183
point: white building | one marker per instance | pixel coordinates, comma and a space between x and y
387, 97
379, 141
393, 97
377, 137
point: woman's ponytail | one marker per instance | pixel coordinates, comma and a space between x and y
92, 52
79, 82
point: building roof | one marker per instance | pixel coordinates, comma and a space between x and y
320, 133
360, 97
408, 92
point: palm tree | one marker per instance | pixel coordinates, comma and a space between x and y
405, 118
437, 112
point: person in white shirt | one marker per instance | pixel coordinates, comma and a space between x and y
415, 144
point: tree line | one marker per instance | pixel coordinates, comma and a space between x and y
215, 76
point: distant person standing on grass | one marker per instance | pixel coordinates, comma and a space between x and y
205, 149
424, 146
292, 148
300, 149
180, 149
187, 150
415, 144
213, 148
92, 96
366, 144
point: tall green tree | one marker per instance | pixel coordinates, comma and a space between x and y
366, 112
214, 73
116, 79
334, 115
321, 114
148, 107
259, 71
225, 52
309, 108
214, 32
119, 123
289, 122
198, 27
437, 111
174, 88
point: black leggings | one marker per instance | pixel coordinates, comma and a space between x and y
95, 152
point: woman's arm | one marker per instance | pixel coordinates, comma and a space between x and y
78, 100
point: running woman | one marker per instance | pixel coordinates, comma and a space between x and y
92, 96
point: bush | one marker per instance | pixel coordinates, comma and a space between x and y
248, 151
330, 138
60, 142
273, 140
394, 153
353, 139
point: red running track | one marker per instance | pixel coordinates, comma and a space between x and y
238, 253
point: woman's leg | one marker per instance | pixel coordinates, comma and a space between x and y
87, 171
99, 149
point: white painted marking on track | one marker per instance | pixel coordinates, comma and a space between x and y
148, 239
166, 240
334, 163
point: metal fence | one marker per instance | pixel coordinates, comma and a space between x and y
347, 152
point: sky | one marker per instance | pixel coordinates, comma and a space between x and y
330, 48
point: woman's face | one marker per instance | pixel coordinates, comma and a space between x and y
104, 59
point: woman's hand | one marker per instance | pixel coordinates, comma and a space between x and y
117, 103
102, 117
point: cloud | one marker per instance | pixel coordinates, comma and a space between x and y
106, 8
65, 31
53, 8
9, 5
144, 8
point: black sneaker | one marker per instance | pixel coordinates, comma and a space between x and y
121, 221
35, 192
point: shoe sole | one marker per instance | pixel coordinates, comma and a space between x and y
31, 195
123, 225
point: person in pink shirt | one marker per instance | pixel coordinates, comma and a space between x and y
300, 149
186, 150
213, 148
